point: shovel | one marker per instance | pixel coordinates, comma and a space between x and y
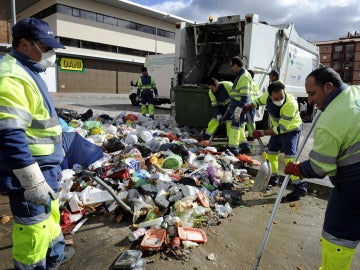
263, 175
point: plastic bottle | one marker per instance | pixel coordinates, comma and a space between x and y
135, 235
152, 223
161, 200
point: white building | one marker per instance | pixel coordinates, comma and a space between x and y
106, 41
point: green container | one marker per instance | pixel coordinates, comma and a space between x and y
192, 106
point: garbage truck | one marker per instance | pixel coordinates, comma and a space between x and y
161, 68
203, 51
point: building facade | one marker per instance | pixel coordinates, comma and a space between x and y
106, 41
343, 55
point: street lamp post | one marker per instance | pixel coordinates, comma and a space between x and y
156, 30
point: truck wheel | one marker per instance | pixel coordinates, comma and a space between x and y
265, 123
132, 98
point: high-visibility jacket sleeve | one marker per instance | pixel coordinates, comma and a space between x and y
153, 83
261, 101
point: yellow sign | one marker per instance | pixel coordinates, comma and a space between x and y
71, 64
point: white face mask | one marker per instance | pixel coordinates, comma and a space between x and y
279, 103
47, 59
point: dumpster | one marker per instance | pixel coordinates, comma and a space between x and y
192, 106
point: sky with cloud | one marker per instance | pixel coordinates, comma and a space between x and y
315, 20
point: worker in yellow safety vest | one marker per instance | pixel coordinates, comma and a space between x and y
31, 147
285, 131
239, 97
146, 88
336, 153
219, 95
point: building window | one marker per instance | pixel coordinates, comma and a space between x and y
336, 56
88, 15
349, 47
324, 57
102, 47
325, 47
100, 18
336, 66
110, 20
349, 56
337, 48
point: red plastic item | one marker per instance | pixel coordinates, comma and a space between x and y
175, 243
192, 234
203, 199
244, 158
153, 239
130, 117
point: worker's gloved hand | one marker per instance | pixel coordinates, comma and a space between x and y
205, 143
293, 168
33, 181
248, 107
237, 113
218, 117
138, 99
258, 133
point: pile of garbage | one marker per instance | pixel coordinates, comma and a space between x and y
154, 171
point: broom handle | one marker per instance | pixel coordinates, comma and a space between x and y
282, 189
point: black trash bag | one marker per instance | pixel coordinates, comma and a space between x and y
176, 149
87, 115
67, 114
232, 196
112, 145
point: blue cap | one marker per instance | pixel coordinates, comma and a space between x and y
35, 29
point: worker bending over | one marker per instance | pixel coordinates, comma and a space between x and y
219, 95
285, 131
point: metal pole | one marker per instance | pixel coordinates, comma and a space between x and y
156, 30
13, 13
282, 189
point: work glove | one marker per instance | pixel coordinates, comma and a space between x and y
237, 113
33, 181
293, 168
138, 99
258, 133
248, 107
218, 117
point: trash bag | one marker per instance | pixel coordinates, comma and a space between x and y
79, 151
176, 149
114, 144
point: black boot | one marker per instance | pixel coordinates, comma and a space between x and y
244, 148
273, 182
299, 191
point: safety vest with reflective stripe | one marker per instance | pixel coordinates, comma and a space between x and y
22, 107
336, 150
222, 95
285, 118
147, 82
242, 86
